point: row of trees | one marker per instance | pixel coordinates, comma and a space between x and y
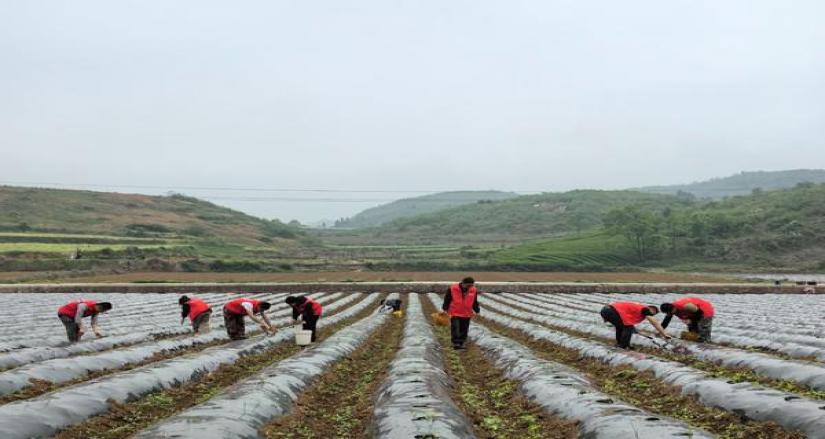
669, 232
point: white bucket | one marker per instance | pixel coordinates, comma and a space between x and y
303, 337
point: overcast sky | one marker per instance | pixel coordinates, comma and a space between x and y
405, 95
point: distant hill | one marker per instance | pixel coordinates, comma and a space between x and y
743, 183
409, 207
86, 212
514, 219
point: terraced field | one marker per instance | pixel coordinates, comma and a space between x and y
537, 366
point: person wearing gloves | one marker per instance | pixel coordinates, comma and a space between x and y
72, 314
697, 313
198, 311
624, 316
236, 310
461, 304
308, 310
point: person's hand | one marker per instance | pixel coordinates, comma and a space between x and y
80, 333
98, 333
666, 337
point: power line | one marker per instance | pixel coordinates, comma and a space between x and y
238, 189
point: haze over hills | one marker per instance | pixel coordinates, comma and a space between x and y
87, 212
742, 184
408, 207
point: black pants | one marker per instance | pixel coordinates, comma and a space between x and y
72, 329
201, 321
310, 323
623, 332
459, 327
235, 325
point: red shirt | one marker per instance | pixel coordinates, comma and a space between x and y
236, 306
703, 305
70, 309
461, 304
630, 312
196, 308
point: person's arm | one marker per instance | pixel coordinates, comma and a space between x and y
476, 309
269, 327
666, 321
447, 299
308, 312
184, 312
95, 328
658, 327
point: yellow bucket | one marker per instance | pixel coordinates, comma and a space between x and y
440, 318
398, 313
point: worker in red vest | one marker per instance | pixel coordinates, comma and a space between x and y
624, 316
234, 312
198, 311
308, 309
461, 303
72, 314
698, 313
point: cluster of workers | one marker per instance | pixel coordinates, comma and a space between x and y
460, 304
199, 313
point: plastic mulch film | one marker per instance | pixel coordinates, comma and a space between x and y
66, 369
791, 411
243, 409
808, 374
47, 414
414, 401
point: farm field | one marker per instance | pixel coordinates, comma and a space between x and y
536, 366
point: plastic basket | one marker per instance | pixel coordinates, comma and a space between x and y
440, 318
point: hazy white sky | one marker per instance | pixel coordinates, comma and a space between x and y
391, 95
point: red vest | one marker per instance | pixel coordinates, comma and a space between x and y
702, 304
316, 307
234, 306
70, 309
630, 312
461, 305
196, 308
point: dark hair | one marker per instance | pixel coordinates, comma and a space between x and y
650, 310
667, 308
265, 306
468, 280
182, 300
290, 300
104, 306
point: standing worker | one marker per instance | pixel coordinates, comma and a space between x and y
234, 312
308, 309
698, 313
72, 314
624, 316
198, 311
461, 303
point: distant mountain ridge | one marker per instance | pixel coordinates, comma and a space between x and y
409, 207
743, 183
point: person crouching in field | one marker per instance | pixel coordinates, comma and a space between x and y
461, 303
236, 310
198, 311
697, 313
72, 314
624, 316
308, 309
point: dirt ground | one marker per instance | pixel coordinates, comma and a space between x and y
398, 276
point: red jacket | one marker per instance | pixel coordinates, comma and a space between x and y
630, 312
70, 309
702, 304
461, 305
234, 306
317, 309
196, 308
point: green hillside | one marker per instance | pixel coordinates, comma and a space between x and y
743, 183
776, 230
409, 207
127, 215
516, 219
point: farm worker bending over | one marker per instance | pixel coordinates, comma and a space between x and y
390, 305
306, 308
234, 312
198, 312
698, 313
72, 313
626, 315
461, 303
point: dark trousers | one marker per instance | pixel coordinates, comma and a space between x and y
623, 332
702, 327
459, 327
72, 329
310, 324
201, 321
235, 327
